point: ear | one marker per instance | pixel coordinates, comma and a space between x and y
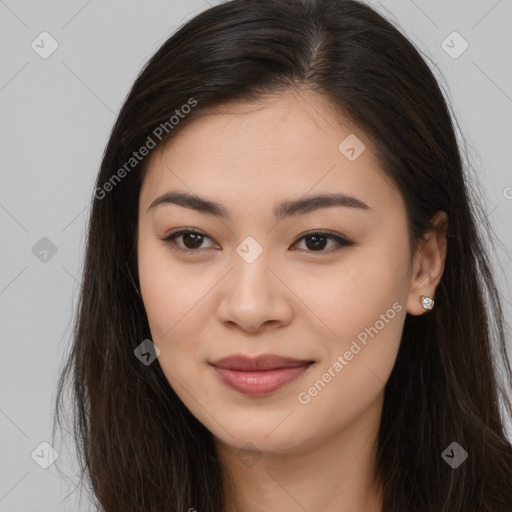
428, 264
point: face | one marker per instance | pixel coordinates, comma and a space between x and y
323, 282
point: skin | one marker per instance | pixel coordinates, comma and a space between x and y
292, 300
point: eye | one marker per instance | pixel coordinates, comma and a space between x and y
192, 240
316, 241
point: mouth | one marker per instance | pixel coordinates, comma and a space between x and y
261, 375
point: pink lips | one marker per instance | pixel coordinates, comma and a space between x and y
260, 375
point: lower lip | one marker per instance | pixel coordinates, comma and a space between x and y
259, 382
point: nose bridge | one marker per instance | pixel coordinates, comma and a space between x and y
253, 296
251, 279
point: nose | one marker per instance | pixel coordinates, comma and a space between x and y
254, 297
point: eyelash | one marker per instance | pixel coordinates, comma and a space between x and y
342, 242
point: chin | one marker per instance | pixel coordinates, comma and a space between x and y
264, 438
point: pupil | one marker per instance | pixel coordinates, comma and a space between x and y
196, 243
315, 244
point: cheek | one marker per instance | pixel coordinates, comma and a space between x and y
363, 305
175, 301
367, 319
166, 305
167, 292
352, 294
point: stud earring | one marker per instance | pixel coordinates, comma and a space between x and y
427, 302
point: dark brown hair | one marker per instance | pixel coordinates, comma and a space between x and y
138, 445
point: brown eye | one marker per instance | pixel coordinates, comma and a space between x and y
316, 242
191, 240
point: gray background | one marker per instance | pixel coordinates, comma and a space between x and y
56, 115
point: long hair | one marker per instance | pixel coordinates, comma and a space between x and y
139, 447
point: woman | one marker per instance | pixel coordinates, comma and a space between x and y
286, 302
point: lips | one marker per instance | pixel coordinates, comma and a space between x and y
259, 375
263, 362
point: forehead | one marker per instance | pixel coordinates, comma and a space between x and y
279, 146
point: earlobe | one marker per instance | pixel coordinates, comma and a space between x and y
428, 266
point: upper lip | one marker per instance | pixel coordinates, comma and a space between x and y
262, 362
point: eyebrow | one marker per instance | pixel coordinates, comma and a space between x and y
285, 209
